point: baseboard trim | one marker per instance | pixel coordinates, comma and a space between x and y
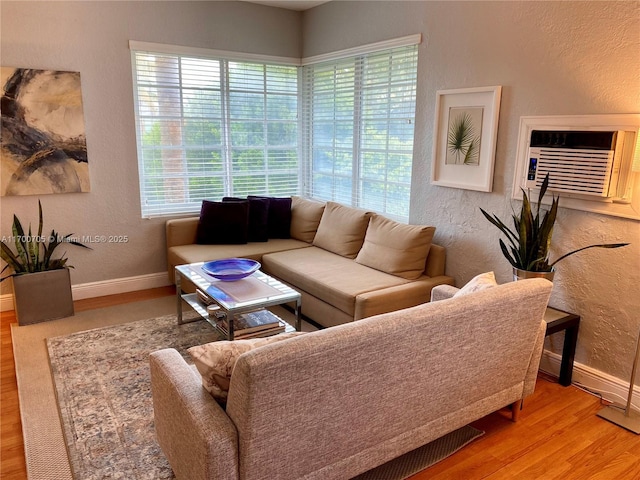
611, 388
106, 287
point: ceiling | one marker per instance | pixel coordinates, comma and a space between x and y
298, 5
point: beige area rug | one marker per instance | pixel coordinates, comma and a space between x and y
102, 383
423, 457
100, 366
45, 451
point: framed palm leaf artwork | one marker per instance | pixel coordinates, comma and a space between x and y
464, 143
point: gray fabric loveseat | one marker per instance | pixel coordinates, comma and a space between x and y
334, 403
347, 263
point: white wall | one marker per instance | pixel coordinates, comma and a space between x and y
92, 38
551, 58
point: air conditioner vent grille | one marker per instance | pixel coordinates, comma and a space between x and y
575, 170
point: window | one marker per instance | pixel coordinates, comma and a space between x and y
359, 123
213, 127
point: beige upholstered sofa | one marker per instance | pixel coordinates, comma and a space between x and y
339, 401
347, 263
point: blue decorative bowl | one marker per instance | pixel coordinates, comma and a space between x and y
231, 269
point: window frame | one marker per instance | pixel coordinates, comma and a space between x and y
358, 58
227, 147
304, 147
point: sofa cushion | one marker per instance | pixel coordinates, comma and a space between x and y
331, 278
342, 229
279, 223
215, 361
305, 218
478, 283
258, 228
181, 254
396, 248
223, 222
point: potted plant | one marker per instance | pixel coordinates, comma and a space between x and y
41, 283
530, 239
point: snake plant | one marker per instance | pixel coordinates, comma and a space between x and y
33, 253
530, 239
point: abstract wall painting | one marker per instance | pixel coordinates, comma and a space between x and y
464, 144
43, 145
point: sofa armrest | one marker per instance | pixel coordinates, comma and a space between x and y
181, 231
436, 261
194, 432
442, 292
398, 297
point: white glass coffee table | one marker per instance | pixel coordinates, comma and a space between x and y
254, 292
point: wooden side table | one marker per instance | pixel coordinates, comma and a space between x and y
557, 320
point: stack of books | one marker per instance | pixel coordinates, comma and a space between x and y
259, 323
202, 298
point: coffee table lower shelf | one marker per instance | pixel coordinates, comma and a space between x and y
192, 300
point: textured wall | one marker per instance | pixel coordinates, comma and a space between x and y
93, 38
551, 58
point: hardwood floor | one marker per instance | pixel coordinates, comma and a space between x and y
558, 435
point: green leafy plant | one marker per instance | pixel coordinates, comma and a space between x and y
530, 239
34, 253
462, 139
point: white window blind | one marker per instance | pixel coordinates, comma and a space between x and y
359, 115
213, 127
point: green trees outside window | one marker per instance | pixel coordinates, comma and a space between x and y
214, 127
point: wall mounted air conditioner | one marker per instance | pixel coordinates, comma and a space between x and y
578, 161
589, 159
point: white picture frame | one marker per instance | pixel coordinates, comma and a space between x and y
465, 135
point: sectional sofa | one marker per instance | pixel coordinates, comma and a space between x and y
348, 263
334, 403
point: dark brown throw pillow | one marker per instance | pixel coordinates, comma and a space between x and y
279, 216
258, 217
223, 223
